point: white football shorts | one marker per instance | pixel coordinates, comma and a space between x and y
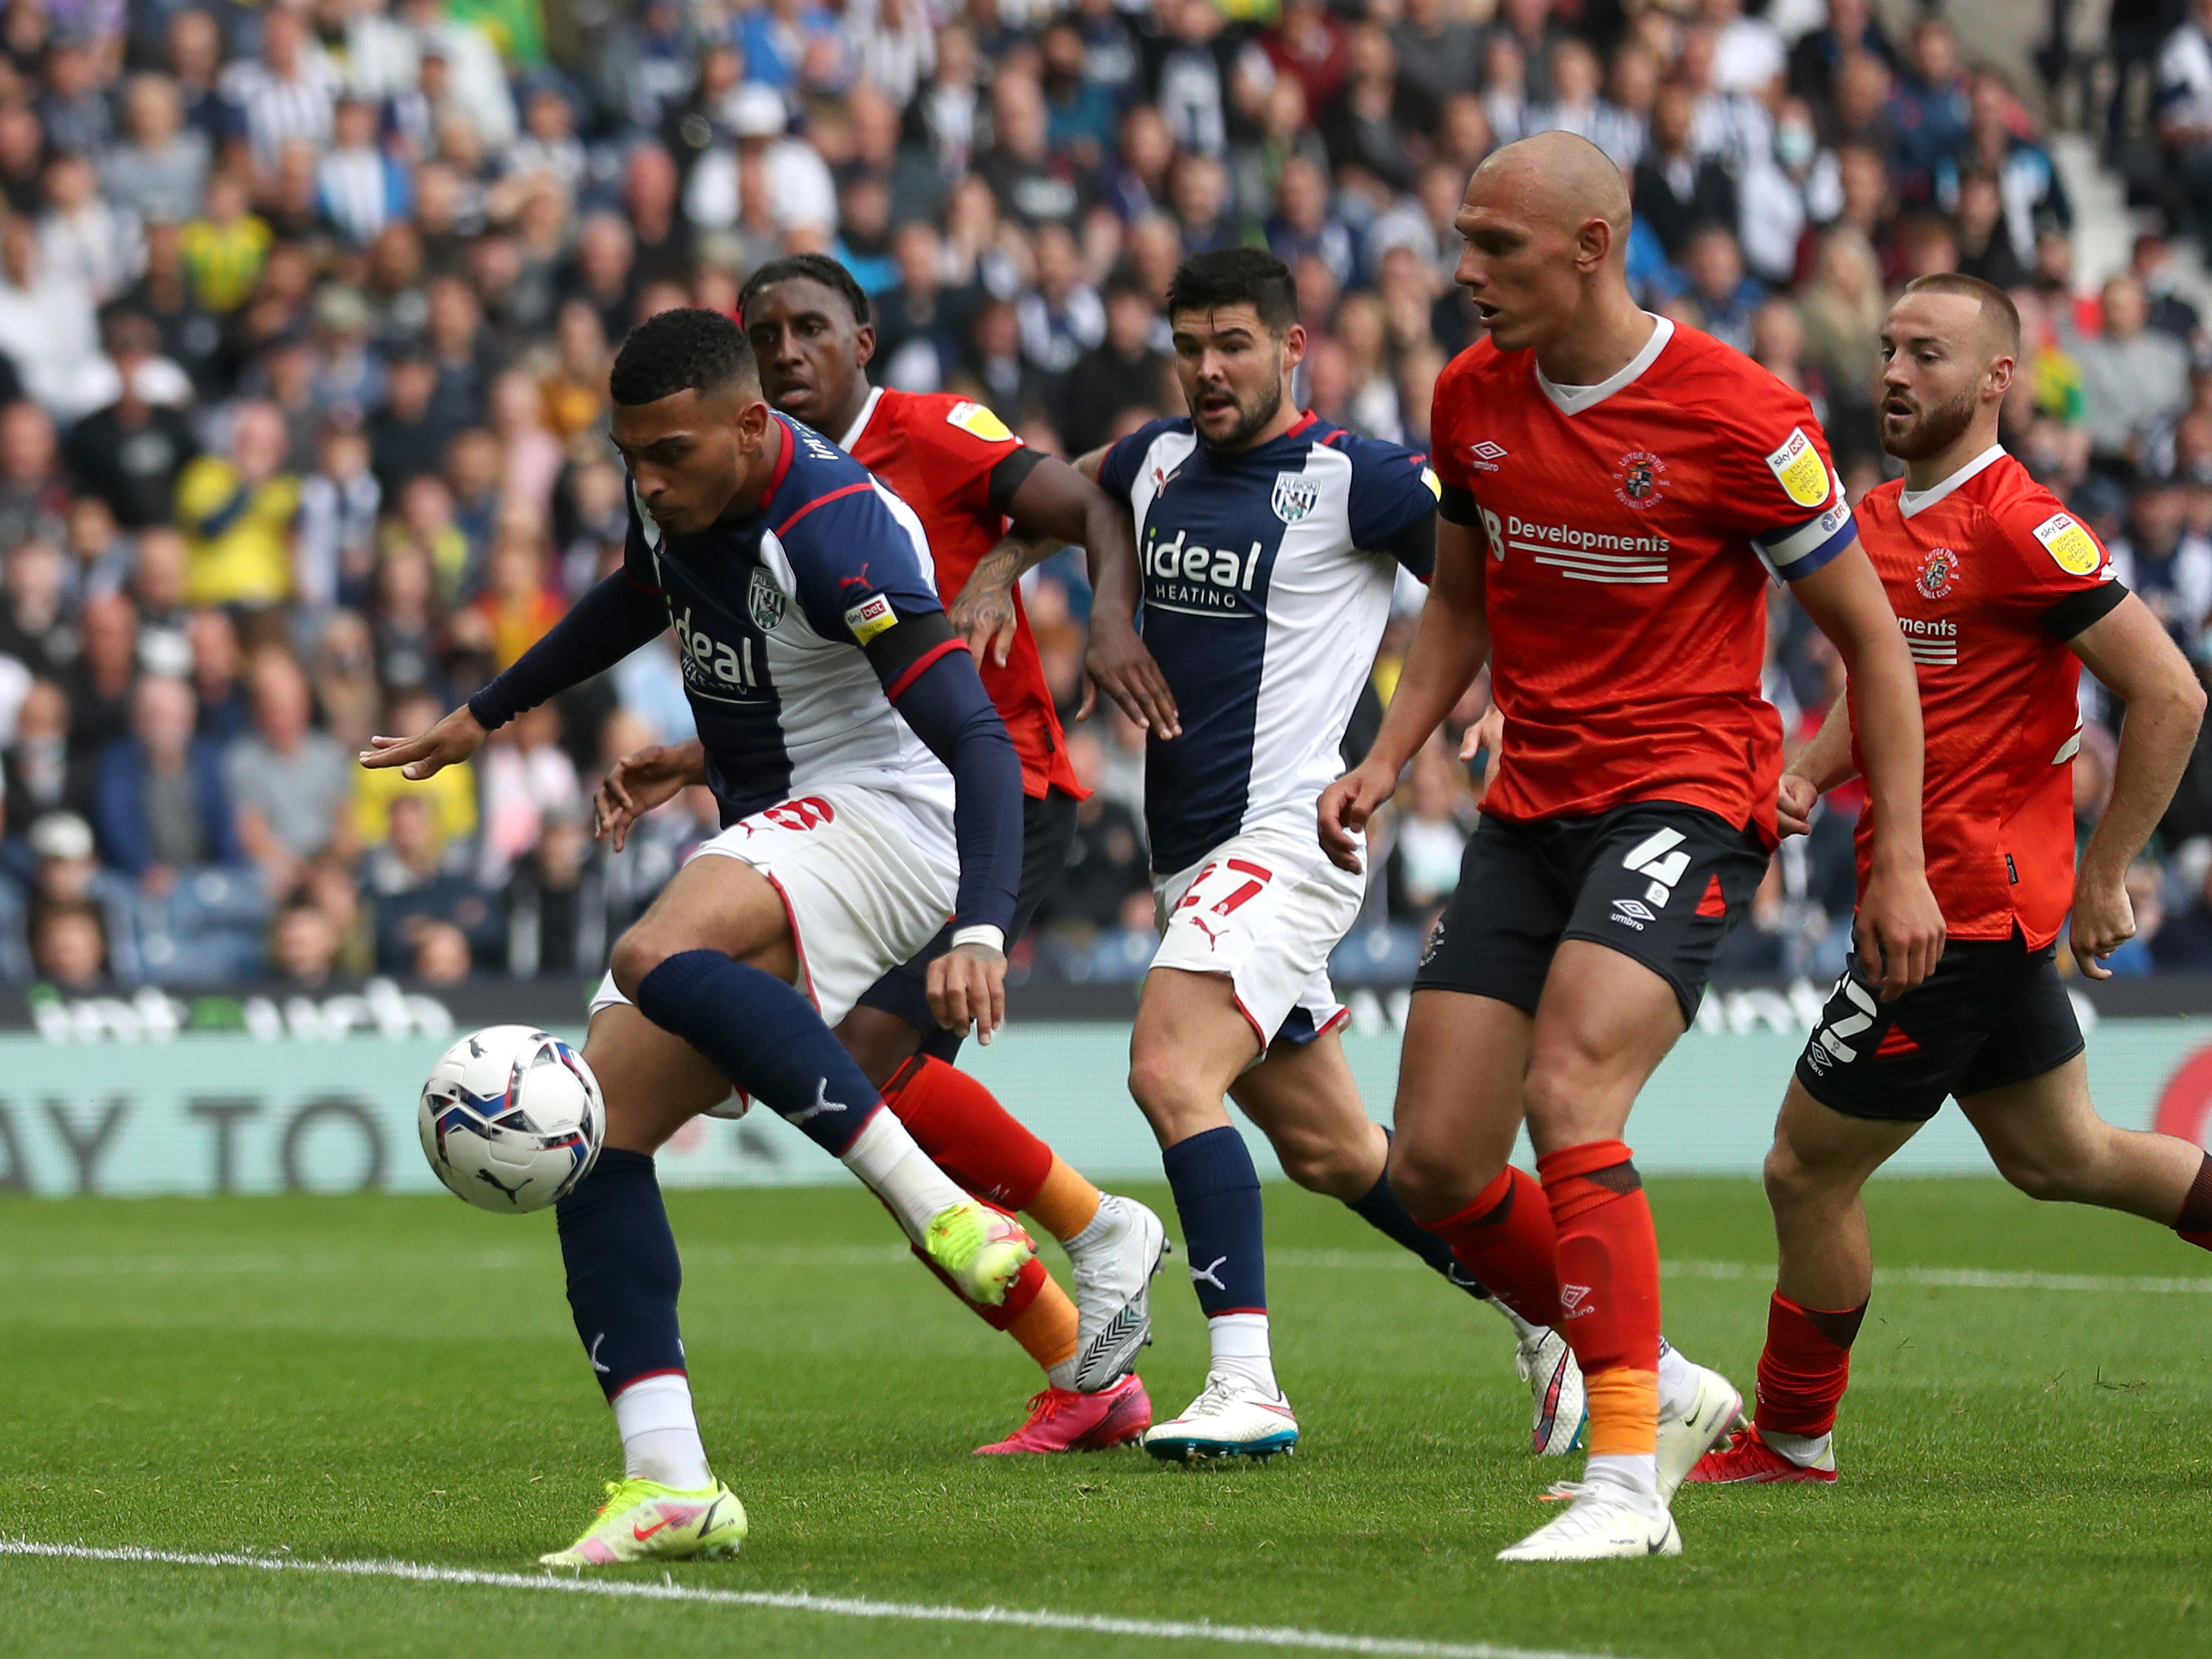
867, 877
1265, 908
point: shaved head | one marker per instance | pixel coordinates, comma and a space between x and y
1546, 265
1560, 178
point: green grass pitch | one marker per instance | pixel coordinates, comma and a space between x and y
2025, 1466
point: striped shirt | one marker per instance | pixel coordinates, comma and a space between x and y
277, 112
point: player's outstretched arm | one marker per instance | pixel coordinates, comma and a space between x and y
600, 629
1900, 927
1451, 642
2139, 663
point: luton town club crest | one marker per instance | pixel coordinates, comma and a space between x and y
1296, 496
1939, 571
1641, 480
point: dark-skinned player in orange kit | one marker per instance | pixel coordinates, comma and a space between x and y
967, 478
1617, 493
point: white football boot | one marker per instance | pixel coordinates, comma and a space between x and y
1715, 1414
1114, 1259
1602, 1522
1232, 1417
1548, 1366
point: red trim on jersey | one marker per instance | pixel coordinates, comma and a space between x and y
1301, 424
782, 465
1256, 1032
665, 1370
657, 593
1334, 1020
822, 501
897, 688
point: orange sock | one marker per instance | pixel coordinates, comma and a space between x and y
1608, 1267
1065, 1204
1046, 1329
1506, 1239
973, 1139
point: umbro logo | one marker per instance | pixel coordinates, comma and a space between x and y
1572, 1297
1486, 455
1631, 912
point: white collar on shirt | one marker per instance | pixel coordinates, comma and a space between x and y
861, 421
1919, 501
1573, 399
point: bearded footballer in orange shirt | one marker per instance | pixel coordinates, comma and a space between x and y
2003, 595
967, 478
1616, 491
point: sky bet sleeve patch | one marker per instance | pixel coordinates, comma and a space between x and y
871, 617
2073, 549
1797, 464
978, 422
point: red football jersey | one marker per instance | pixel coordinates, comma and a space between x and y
1632, 527
1991, 577
937, 451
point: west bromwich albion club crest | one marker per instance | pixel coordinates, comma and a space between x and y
1938, 572
1296, 496
764, 602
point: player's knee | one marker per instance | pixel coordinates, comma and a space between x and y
2048, 1180
637, 953
1320, 1164
1565, 1109
1431, 1187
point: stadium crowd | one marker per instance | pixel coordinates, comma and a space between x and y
305, 312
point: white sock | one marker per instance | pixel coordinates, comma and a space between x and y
659, 1434
1638, 1473
1241, 1349
1677, 1381
901, 1173
1802, 1449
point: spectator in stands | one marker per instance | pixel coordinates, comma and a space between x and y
160, 807
1124, 371
1428, 835
130, 454
2151, 262
290, 786
1438, 51
2160, 559
1820, 54
1727, 299
156, 174
1107, 883
2185, 111
68, 944
237, 512
1929, 111
1677, 189
432, 921
303, 942
98, 681
2133, 381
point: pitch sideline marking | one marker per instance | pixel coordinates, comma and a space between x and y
849, 1607
1968, 1279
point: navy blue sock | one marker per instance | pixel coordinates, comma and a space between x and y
1381, 1211
1217, 1194
623, 1272
764, 1037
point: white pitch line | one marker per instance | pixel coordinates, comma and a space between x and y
864, 1255
1962, 1278
847, 1607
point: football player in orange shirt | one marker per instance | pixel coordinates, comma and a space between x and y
2003, 595
970, 480
1616, 490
